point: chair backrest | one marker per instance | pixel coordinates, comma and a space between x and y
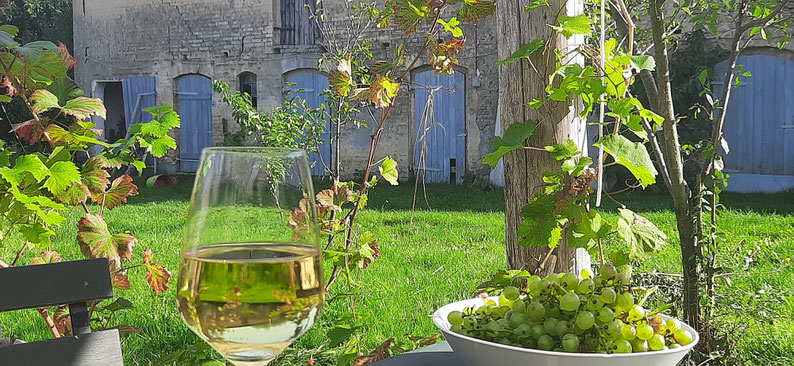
73, 283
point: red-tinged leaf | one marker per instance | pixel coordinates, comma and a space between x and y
376, 355
476, 10
382, 91
95, 177
424, 342
121, 188
340, 82
43, 100
334, 198
84, 107
67, 58
442, 56
47, 256
31, 131
374, 245
158, 277
120, 280
75, 194
147, 256
62, 320
56, 134
408, 14
95, 240
6, 84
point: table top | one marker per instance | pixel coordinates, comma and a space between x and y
439, 354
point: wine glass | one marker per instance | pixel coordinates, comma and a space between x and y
250, 278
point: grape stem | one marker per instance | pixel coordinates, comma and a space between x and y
660, 309
647, 293
558, 288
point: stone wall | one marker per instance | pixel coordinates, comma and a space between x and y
115, 39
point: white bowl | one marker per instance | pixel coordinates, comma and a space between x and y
477, 352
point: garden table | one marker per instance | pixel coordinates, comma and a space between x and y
439, 354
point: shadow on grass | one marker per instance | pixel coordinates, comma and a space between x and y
765, 203
179, 192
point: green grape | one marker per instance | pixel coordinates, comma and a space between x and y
455, 318
570, 343
608, 295
562, 328
490, 302
535, 310
539, 287
569, 281
585, 320
537, 331
628, 332
608, 271
469, 324
636, 313
656, 343
550, 325
532, 279
511, 293
612, 329
554, 277
600, 281
501, 311
622, 279
683, 337
587, 273
552, 310
569, 302
644, 331
529, 342
456, 328
504, 341
517, 319
523, 331
625, 301
594, 304
503, 301
675, 345
625, 269
671, 325
620, 346
605, 315
519, 306
592, 342
545, 342
585, 287
494, 326
639, 345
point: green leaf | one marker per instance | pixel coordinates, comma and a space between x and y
65, 89
644, 62
83, 107
522, 52
513, 139
36, 233
388, 170
535, 4
564, 150
587, 229
75, 194
160, 146
703, 76
95, 240
31, 164
452, 26
48, 256
650, 115
43, 100
540, 225
579, 24
633, 156
63, 174
139, 165
34, 51
94, 175
641, 235
121, 188
12, 30
341, 333
476, 10
119, 304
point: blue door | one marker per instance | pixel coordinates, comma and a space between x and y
194, 101
309, 84
440, 139
759, 126
139, 93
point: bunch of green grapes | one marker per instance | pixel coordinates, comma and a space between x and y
566, 313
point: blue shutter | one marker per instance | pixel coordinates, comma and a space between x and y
759, 125
194, 102
444, 141
313, 84
139, 93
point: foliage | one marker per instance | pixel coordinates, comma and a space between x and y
40, 182
292, 125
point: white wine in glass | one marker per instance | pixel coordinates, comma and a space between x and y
250, 279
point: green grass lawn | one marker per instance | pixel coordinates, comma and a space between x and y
441, 256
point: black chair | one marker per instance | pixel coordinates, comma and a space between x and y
73, 283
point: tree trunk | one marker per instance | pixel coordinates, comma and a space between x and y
519, 83
685, 216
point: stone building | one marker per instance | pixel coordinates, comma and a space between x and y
139, 53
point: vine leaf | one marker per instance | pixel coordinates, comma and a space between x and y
62, 175
513, 139
452, 26
587, 229
442, 56
476, 10
522, 52
96, 241
382, 91
640, 234
43, 100
341, 333
47, 256
408, 14
31, 130
340, 79
121, 188
120, 280
378, 354
540, 225
157, 275
84, 107
62, 320
94, 176
388, 170
334, 198
569, 26
644, 62
633, 156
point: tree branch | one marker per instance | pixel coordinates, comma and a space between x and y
762, 21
